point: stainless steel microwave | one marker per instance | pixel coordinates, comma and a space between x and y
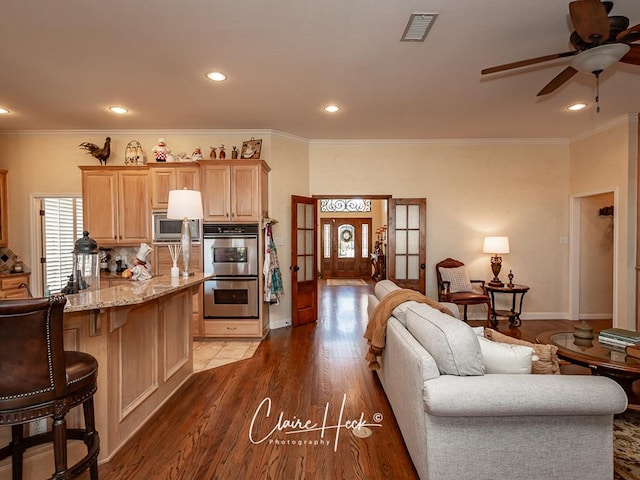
168, 230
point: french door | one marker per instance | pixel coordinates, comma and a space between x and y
407, 242
304, 279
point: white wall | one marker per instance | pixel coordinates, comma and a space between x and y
606, 161
472, 190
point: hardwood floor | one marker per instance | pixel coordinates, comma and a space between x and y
218, 425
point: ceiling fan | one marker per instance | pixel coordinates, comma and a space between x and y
599, 41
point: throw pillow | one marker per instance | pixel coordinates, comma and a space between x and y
458, 279
504, 357
451, 342
547, 362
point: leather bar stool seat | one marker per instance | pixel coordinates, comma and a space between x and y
39, 380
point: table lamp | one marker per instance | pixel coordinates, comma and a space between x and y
185, 205
496, 246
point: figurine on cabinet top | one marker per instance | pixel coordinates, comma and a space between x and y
223, 153
234, 152
197, 154
161, 150
212, 153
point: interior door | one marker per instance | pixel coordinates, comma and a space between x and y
304, 280
408, 242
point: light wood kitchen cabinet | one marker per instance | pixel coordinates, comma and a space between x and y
116, 204
234, 191
162, 264
165, 177
10, 285
4, 225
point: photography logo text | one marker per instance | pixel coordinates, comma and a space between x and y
296, 426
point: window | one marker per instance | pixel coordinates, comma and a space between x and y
61, 227
345, 205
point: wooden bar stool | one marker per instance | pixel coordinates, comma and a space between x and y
38, 379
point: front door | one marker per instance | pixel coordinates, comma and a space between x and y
346, 248
408, 242
304, 280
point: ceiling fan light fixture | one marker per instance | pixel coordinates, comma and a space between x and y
331, 108
4, 111
598, 59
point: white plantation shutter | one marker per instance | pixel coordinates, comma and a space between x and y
62, 226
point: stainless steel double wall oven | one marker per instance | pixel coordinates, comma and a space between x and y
231, 253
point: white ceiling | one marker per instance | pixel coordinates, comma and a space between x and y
63, 63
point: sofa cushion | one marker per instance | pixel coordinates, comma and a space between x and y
384, 287
451, 342
505, 357
547, 362
458, 278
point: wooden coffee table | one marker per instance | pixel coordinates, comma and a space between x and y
600, 359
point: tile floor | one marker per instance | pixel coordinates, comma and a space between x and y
215, 353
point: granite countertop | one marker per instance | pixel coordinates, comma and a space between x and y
131, 293
10, 273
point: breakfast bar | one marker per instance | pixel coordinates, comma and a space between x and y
140, 333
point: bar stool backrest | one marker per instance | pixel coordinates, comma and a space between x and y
32, 365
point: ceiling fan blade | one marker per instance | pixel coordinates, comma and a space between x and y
589, 18
632, 56
558, 81
629, 35
530, 61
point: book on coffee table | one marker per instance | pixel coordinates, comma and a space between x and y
633, 351
619, 335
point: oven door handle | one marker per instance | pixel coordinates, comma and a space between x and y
233, 278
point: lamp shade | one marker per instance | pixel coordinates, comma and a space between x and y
599, 58
184, 204
496, 245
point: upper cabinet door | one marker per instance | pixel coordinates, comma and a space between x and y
100, 204
245, 193
176, 177
216, 192
188, 177
162, 180
134, 205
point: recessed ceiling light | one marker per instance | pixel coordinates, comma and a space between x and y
4, 111
332, 108
120, 110
216, 76
576, 106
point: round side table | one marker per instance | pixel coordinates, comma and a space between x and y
513, 315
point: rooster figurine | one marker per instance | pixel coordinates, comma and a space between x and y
102, 154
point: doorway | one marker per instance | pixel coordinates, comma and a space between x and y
346, 248
592, 256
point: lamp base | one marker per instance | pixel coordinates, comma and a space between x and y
494, 283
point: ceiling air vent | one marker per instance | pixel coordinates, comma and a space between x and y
418, 26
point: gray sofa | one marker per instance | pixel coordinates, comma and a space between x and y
477, 426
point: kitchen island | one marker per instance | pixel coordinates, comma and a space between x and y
140, 333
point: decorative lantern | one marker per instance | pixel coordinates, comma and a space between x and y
86, 264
